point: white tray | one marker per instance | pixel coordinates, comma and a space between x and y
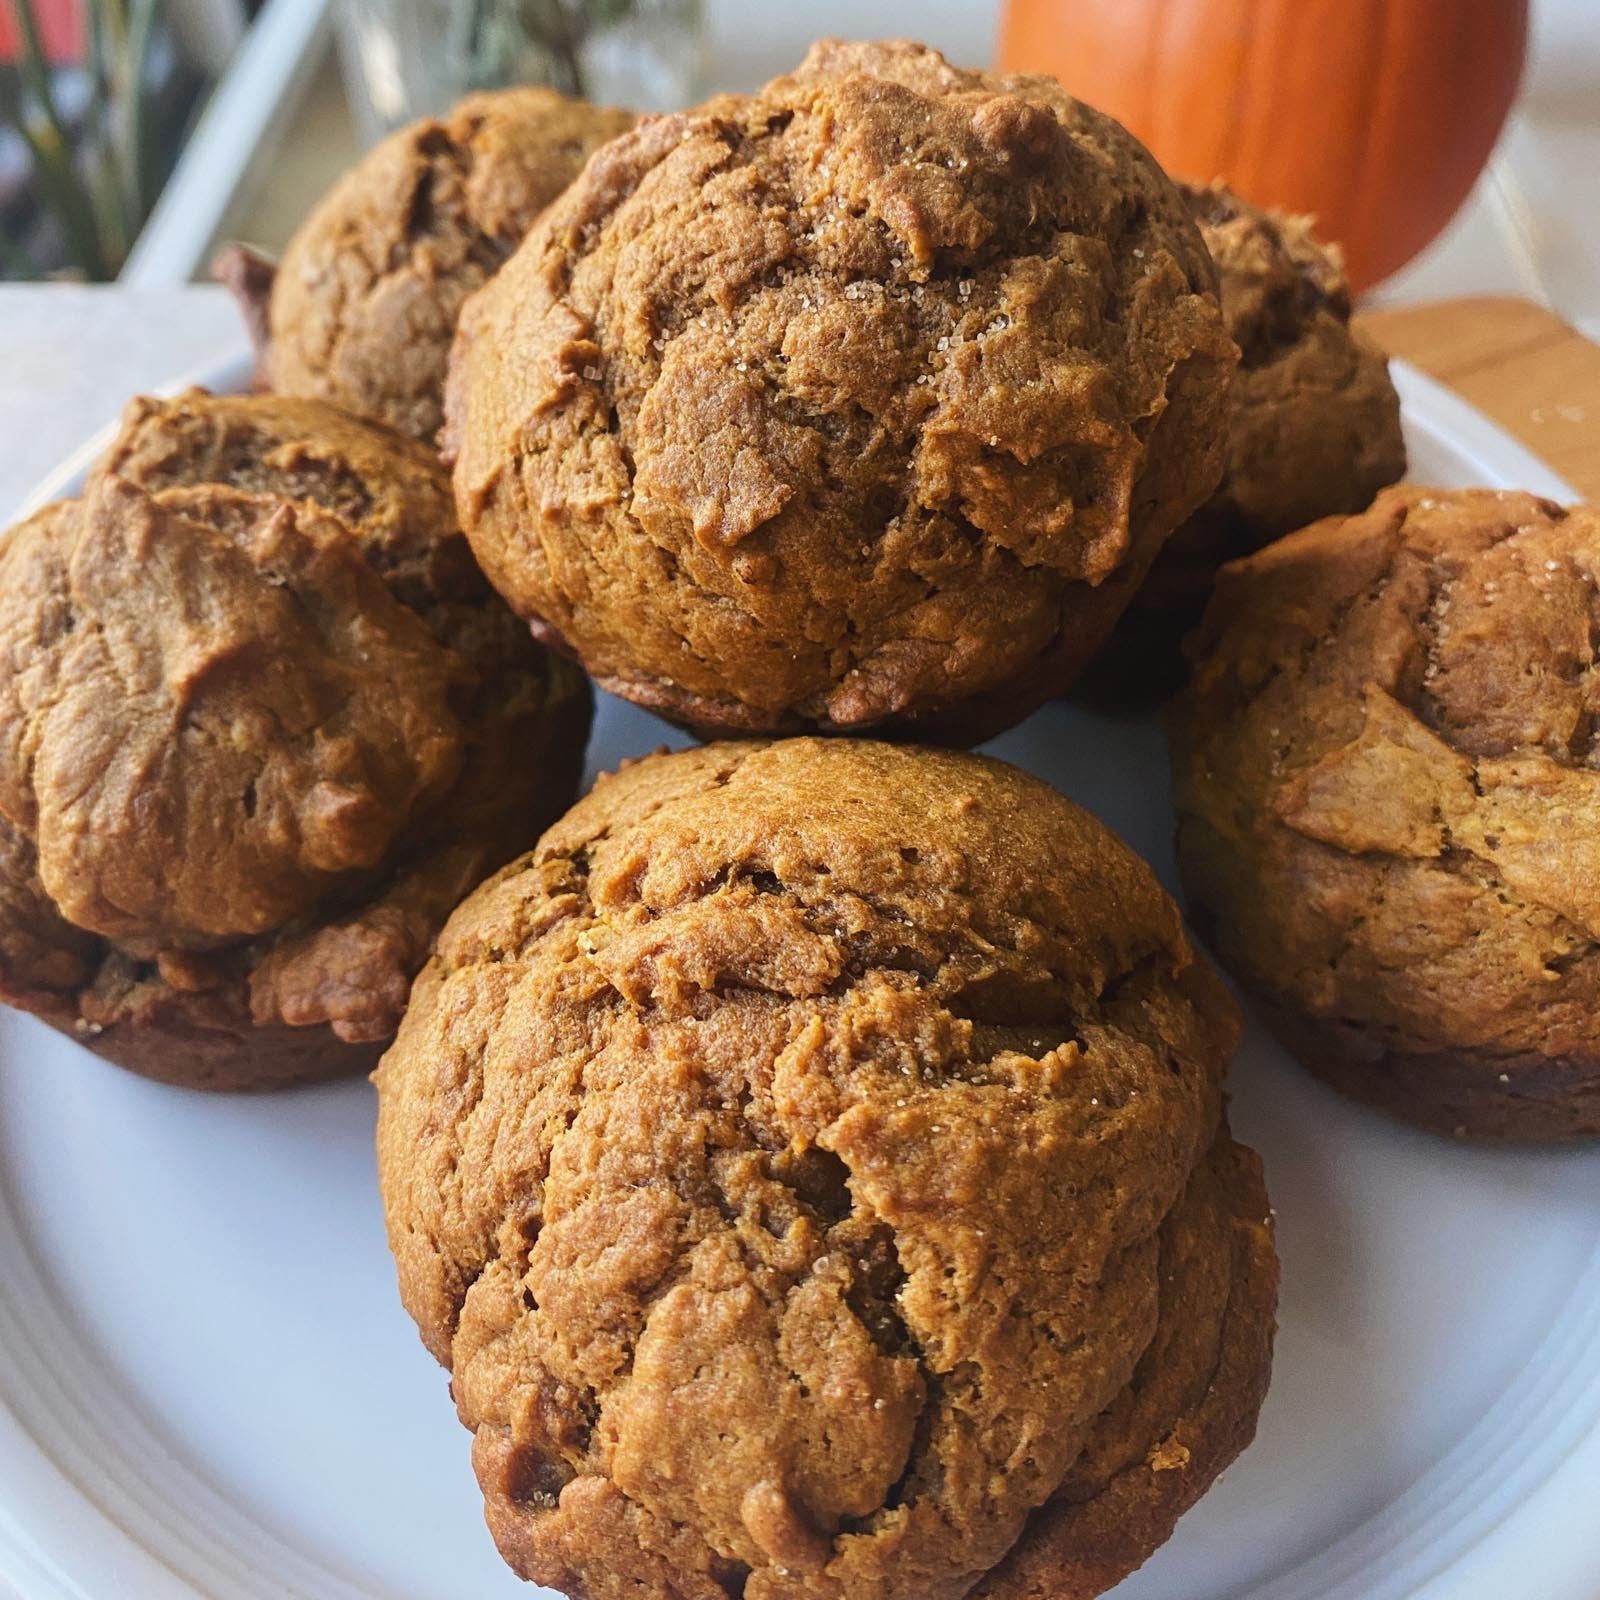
208, 1388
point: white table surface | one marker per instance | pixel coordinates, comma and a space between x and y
72, 356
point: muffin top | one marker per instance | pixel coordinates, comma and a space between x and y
1387, 773
779, 1156
854, 399
215, 710
1313, 430
1315, 425
386, 491
365, 301
249, 682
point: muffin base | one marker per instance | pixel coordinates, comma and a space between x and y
206, 1048
1142, 664
1526, 1098
1081, 1544
253, 1060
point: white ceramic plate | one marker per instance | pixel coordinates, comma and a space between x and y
207, 1386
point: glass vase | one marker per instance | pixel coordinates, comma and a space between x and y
406, 59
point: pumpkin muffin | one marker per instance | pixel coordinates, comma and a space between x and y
1314, 429
363, 307
262, 724
810, 1163
1388, 786
862, 402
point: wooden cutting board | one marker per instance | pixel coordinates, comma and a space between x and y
1517, 363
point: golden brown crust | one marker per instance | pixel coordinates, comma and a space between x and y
862, 402
1190, 1409
364, 304
1313, 431
1315, 422
203, 771
386, 490
1388, 785
262, 724
808, 1162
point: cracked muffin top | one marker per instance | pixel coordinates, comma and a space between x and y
1313, 430
866, 399
364, 303
788, 1157
1389, 796
250, 684
1315, 422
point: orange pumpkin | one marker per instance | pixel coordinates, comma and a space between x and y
1375, 116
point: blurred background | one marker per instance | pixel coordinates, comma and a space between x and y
1451, 144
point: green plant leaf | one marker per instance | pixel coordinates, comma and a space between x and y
36, 68
139, 158
15, 262
114, 218
59, 185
